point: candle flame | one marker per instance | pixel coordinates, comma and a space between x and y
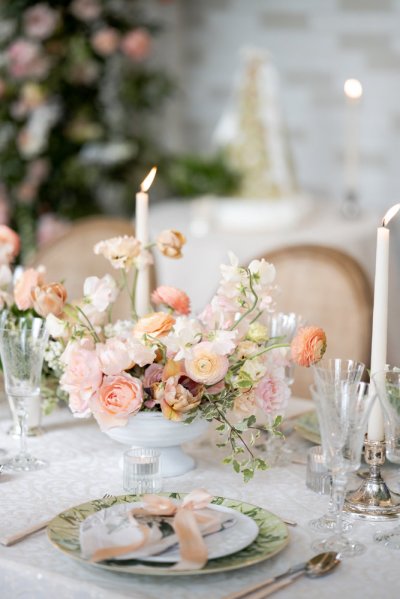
146, 183
353, 89
390, 214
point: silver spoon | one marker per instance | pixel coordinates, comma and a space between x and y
319, 565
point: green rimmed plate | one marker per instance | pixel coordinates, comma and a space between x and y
273, 536
307, 427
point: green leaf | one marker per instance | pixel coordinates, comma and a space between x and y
236, 466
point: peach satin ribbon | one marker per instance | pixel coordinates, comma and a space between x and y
190, 522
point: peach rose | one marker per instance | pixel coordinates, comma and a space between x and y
170, 243
205, 366
119, 397
175, 399
173, 298
29, 279
157, 324
82, 377
308, 346
49, 299
105, 41
9, 244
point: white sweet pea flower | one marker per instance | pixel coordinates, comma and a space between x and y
186, 333
262, 271
100, 293
140, 353
222, 342
56, 327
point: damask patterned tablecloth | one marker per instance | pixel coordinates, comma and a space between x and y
84, 465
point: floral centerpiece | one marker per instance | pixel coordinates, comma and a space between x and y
221, 365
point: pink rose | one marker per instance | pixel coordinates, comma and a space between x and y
114, 356
40, 21
173, 298
272, 395
119, 397
82, 378
205, 366
105, 41
9, 244
29, 279
308, 346
136, 44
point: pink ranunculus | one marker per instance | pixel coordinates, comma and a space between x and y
136, 44
105, 41
9, 244
82, 377
119, 397
272, 395
205, 366
29, 279
173, 298
308, 346
152, 374
114, 356
40, 21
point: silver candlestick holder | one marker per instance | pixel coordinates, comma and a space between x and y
373, 500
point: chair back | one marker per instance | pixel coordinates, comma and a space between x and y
70, 258
329, 289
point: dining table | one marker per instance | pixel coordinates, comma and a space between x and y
85, 464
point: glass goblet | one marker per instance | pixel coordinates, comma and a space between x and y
343, 415
22, 346
283, 327
333, 371
387, 384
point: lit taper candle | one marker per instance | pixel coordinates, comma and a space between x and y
380, 319
142, 299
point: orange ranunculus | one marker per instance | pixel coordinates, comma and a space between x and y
49, 299
170, 243
173, 298
157, 324
29, 279
308, 346
118, 397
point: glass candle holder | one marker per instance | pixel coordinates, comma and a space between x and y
318, 477
142, 471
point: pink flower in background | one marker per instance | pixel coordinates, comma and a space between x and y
29, 279
173, 298
82, 377
308, 346
9, 244
136, 44
114, 356
105, 41
118, 398
50, 227
25, 60
206, 366
86, 10
40, 21
272, 395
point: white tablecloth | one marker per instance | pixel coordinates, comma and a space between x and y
83, 465
208, 245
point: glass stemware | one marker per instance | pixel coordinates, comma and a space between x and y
387, 384
22, 346
343, 414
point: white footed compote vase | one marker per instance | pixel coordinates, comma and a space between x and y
152, 430
22, 346
343, 414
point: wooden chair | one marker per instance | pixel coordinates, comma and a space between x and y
330, 289
70, 258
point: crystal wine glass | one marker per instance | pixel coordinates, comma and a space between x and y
343, 415
22, 346
387, 384
329, 373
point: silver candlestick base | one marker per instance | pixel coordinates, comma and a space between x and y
373, 500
